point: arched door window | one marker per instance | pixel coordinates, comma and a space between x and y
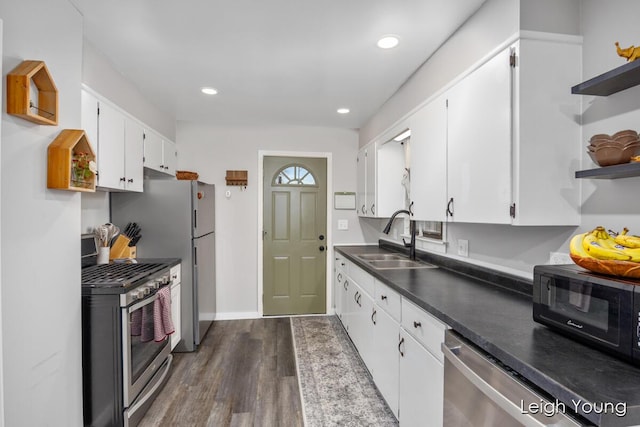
294, 175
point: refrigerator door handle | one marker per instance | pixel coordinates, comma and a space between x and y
195, 219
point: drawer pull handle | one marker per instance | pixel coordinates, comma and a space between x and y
399, 347
417, 324
339, 277
346, 285
383, 297
373, 315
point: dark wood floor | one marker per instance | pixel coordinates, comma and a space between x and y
243, 374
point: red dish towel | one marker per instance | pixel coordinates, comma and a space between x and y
162, 323
142, 323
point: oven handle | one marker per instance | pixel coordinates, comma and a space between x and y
450, 353
142, 303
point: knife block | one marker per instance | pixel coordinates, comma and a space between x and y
120, 249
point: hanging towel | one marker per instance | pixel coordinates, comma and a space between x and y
163, 325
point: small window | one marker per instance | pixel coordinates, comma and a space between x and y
432, 229
294, 175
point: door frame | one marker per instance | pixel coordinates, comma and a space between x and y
329, 267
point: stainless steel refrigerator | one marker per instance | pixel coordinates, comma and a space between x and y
177, 219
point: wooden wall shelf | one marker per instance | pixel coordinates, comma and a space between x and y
616, 80
70, 144
20, 101
237, 178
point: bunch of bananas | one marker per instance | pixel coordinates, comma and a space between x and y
599, 244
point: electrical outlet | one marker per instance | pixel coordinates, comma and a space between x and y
559, 258
343, 224
463, 247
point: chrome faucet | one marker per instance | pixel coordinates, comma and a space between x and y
412, 230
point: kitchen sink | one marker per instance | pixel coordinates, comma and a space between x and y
392, 261
380, 257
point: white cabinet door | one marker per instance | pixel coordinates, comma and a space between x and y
361, 202
175, 315
479, 144
153, 151
429, 161
364, 329
390, 192
370, 186
111, 173
169, 157
133, 156
89, 118
385, 358
421, 385
546, 133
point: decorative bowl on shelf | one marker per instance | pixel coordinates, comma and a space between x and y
626, 269
609, 150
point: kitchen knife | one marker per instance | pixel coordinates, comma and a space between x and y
135, 239
127, 229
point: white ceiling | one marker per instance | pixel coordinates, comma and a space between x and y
273, 61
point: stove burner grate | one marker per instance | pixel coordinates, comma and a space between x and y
117, 274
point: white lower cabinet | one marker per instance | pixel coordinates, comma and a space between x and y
385, 361
421, 384
399, 343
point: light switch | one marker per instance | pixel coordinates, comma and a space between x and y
343, 224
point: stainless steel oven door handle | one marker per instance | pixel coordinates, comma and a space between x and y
142, 303
510, 407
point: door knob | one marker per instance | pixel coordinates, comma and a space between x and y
321, 248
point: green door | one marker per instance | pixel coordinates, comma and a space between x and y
295, 225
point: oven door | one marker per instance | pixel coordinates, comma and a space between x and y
142, 355
592, 312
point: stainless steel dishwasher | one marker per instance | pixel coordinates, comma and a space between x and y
478, 392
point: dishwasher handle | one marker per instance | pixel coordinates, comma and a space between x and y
451, 354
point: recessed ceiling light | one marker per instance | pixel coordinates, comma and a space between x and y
388, 42
343, 110
209, 90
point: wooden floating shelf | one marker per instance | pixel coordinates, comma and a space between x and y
19, 97
626, 170
60, 155
616, 80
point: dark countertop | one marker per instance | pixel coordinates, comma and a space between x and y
500, 321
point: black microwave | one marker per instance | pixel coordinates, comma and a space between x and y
601, 311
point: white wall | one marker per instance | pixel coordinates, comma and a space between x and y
40, 245
210, 151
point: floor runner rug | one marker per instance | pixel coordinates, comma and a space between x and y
336, 388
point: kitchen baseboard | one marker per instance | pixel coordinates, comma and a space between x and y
238, 315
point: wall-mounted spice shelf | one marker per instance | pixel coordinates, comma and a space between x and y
67, 162
616, 80
626, 170
20, 101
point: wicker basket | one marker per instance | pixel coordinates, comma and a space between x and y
192, 176
626, 269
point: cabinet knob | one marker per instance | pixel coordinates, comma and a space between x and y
123, 179
166, 167
417, 324
161, 166
383, 297
130, 180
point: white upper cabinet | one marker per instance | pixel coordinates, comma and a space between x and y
547, 136
118, 139
380, 170
159, 153
511, 140
479, 144
428, 161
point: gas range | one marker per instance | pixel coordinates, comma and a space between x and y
119, 277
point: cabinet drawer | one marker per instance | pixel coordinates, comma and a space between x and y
361, 277
425, 328
387, 299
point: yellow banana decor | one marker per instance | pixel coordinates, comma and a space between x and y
599, 251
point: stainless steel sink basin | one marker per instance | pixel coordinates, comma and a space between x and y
398, 264
380, 257
392, 261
